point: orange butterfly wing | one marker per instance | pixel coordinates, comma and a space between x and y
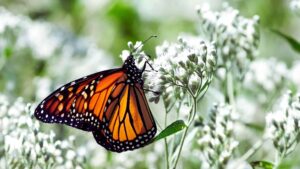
79, 103
106, 103
128, 120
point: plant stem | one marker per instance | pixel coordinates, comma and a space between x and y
230, 89
279, 156
278, 159
190, 119
167, 154
180, 147
173, 140
253, 149
166, 145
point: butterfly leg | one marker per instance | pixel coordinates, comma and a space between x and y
155, 92
145, 64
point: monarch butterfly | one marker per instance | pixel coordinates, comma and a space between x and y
111, 104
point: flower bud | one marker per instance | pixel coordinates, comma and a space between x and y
130, 45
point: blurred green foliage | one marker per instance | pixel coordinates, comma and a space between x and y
112, 23
116, 22
272, 13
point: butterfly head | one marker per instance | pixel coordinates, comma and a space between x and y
132, 71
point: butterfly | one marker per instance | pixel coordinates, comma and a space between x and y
111, 104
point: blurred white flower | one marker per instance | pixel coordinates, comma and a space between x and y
8, 20
43, 87
49, 51
282, 125
25, 145
40, 38
70, 154
248, 110
295, 6
261, 73
136, 51
165, 11
238, 164
216, 141
294, 73
35, 35
236, 37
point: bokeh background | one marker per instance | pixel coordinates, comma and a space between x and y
46, 43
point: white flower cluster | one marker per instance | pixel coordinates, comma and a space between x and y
283, 124
187, 65
294, 73
217, 143
140, 159
295, 6
42, 48
36, 36
43, 39
23, 145
136, 50
236, 37
261, 73
148, 157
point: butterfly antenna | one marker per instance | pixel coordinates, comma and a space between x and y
145, 41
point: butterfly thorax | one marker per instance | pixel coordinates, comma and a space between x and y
132, 71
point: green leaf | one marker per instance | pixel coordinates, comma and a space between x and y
171, 129
292, 42
257, 127
8, 51
262, 164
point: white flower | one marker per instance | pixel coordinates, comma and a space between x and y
295, 6
36, 35
13, 144
39, 37
261, 73
124, 55
187, 63
8, 20
70, 154
217, 135
43, 87
294, 73
236, 37
75, 66
25, 145
282, 125
238, 164
49, 51
138, 54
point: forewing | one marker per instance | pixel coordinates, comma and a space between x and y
77, 103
